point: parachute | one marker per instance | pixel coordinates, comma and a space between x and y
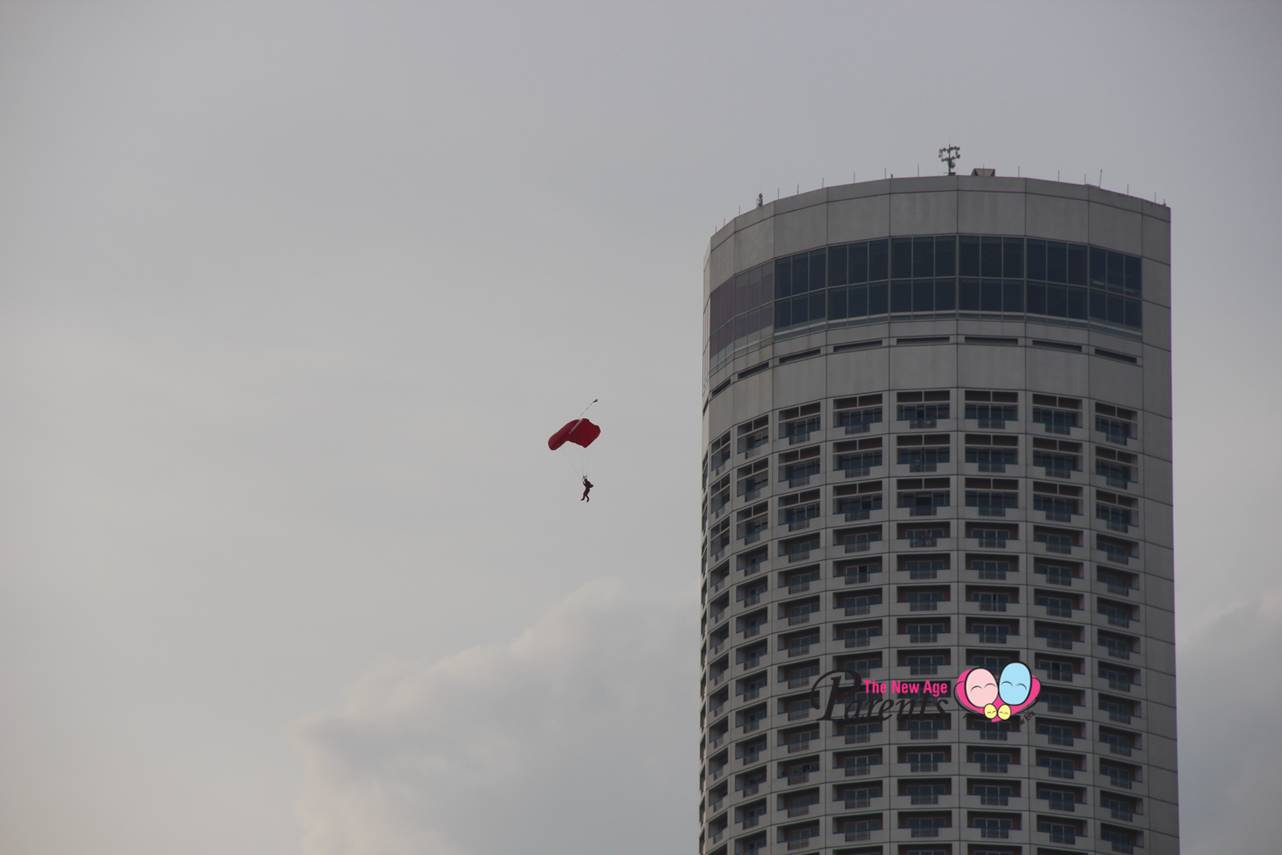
581, 432
578, 431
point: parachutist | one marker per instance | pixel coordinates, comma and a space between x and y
587, 488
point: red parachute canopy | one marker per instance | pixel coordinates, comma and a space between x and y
578, 431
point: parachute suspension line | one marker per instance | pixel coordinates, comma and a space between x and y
583, 465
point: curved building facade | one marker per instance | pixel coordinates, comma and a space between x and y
937, 436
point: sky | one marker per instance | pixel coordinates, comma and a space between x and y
291, 294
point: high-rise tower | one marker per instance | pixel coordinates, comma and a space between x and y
937, 435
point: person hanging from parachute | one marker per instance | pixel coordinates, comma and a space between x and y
582, 432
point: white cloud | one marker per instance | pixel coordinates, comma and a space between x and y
564, 740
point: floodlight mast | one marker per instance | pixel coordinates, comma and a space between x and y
950, 154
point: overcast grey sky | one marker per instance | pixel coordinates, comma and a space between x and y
291, 294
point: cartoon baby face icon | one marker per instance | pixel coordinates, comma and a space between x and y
981, 687
998, 697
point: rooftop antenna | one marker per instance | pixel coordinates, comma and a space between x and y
1101, 179
949, 154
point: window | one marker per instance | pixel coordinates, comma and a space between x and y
1057, 572
795, 612
1058, 540
797, 424
799, 288
1120, 839
1057, 604
994, 826
923, 452
799, 675
992, 599
992, 535
857, 458
923, 824
922, 496
749, 688
858, 538
1060, 765
924, 759
923, 598
1060, 668
1119, 806
1118, 677
858, 634
794, 644
989, 631
992, 760
923, 534
924, 665
752, 479
856, 572
1117, 512
1117, 468
991, 566
754, 435
719, 496
850, 281
1057, 414
923, 631
856, 602
858, 414
1121, 775
991, 453
919, 567
1057, 502
925, 792
797, 581
857, 827
859, 501
992, 409
1061, 798
798, 467
1116, 424
798, 548
1115, 613
923, 409
1117, 581
854, 763
719, 451
1059, 732
1057, 458
1061, 830
994, 793
753, 522
798, 509
992, 497
1116, 549
1057, 636
1117, 645
993, 660
719, 539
